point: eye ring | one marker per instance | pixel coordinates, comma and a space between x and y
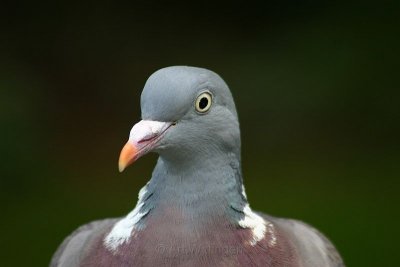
203, 102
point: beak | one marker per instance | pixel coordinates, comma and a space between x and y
143, 138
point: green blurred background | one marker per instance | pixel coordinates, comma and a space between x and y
316, 86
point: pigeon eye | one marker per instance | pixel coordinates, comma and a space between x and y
203, 102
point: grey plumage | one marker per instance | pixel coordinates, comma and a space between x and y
193, 211
73, 248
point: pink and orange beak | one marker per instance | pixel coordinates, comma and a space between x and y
143, 138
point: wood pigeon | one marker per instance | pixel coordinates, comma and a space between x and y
194, 210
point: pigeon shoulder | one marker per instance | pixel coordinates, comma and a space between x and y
73, 248
311, 245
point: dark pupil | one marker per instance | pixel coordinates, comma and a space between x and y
203, 103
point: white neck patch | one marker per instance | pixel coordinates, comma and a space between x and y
257, 224
123, 229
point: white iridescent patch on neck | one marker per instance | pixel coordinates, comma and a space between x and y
123, 229
257, 224
254, 222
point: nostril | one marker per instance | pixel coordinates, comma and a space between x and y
146, 139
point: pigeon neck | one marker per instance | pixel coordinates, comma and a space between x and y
208, 189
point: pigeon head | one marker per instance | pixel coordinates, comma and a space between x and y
188, 114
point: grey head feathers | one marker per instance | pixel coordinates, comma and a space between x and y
170, 94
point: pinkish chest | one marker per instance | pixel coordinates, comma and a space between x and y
166, 242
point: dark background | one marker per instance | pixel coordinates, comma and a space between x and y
315, 85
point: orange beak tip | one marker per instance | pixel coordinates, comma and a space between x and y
121, 168
127, 156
